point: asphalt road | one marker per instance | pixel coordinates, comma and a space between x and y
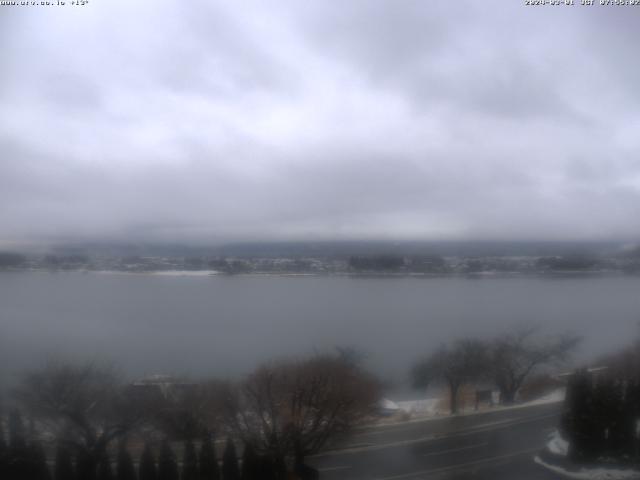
494, 445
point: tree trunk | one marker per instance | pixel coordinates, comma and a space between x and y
453, 391
298, 459
280, 468
507, 396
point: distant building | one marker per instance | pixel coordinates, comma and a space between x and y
167, 385
593, 371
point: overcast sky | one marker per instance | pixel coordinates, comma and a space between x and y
203, 121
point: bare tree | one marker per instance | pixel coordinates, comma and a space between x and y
463, 362
624, 363
292, 409
351, 355
85, 406
193, 412
515, 355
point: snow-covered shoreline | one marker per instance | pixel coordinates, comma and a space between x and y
163, 273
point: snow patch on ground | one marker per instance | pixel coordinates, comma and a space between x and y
556, 451
414, 411
557, 445
433, 406
427, 406
388, 404
591, 473
555, 396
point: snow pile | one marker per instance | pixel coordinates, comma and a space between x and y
427, 406
600, 473
558, 445
388, 404
558, 449
553, 397
388, 407
434, 406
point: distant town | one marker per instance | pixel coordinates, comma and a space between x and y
330, 261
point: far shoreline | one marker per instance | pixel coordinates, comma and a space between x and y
355, 275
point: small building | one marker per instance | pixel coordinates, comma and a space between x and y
167, 385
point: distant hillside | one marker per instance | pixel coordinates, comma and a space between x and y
346, 249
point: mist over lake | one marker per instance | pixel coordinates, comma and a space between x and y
225, 325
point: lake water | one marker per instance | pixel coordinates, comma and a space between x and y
224, 326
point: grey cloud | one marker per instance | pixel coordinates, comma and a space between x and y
439, 53
217, 54
70, 91
207, 123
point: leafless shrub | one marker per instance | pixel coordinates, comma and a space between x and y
294, 408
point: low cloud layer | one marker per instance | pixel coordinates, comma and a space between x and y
210, 122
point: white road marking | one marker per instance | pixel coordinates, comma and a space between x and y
412, 427
451, 450
331, 469
499, 422
462, 433
461, 466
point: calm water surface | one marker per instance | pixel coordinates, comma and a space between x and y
225, 325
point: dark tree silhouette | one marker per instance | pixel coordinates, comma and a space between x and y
147, 468
463, 362
167, 465
3, 451
189, 462
85, 406
19, 458
230, 468
250, 464
600, 416
292, 409
191, 413
632, 414
517, 354
104, 468
306, 472
579, 425
86, 465
623, 370
209, 469
38, 461
624, 364
17, 438
125, 469
269, 470
63, 469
